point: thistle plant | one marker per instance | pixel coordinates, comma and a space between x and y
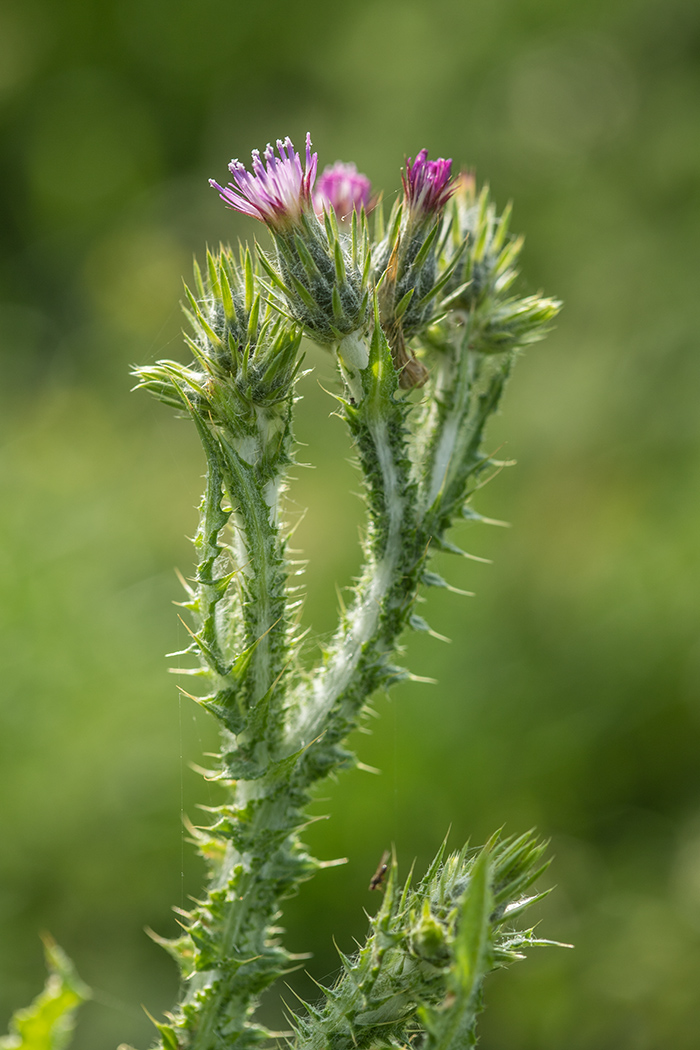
418, 311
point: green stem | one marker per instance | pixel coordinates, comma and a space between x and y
358, 658
253, 853
253, 487
468, 388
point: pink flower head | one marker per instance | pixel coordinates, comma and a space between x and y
276, 192
342, 186
426, 184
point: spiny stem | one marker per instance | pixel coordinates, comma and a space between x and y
359, 651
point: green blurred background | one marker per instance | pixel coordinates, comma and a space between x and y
569, 698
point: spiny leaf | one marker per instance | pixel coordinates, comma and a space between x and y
303, 293
425, 247
339, 262
167, 1033
403, 303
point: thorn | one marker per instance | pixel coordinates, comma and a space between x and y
368, 769
458, 590
191, 633
341, 603
475, 557
185, 584
208, 774
190, 696
296, 994
472, 515
312, 820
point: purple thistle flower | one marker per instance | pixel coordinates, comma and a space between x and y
277, 192
343, 187
426, 184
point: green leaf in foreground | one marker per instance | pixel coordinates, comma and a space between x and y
49, 1022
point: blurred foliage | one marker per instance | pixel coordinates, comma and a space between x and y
570, 697
48, 1023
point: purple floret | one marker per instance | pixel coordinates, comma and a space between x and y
427, 186
277, 191
342, 186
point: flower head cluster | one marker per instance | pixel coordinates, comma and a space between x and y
344, 187
326, 272
427, 184
278, 191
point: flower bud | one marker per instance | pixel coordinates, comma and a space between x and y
426, 186
344, 188
322, 272
407, 261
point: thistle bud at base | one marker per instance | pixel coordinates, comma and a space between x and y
428, 939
